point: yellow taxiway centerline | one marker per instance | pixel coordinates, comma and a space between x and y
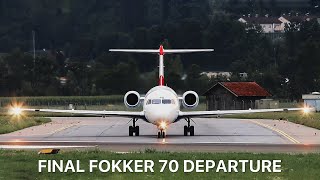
278, 131
61, 129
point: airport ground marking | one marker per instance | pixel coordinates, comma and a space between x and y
61, 129
137, 143
47, 133
38, 146
290, 138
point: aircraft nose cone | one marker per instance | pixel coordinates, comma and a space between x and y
162, 115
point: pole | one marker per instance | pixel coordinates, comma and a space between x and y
34, 48
34, 58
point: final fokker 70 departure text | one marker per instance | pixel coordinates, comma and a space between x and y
146, 166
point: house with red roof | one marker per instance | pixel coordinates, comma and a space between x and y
234, 95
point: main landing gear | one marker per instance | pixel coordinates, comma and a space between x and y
188, 129
134, 129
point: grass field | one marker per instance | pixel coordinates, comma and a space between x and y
312, 119
24, 165
9, 124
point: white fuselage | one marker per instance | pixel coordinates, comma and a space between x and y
161, 105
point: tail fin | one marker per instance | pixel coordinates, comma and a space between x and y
161, 51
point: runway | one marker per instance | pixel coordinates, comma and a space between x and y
211, 134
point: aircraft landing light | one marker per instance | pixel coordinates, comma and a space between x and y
306, 110
163, 125
16, 111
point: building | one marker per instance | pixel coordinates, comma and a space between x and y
234, 95
292, 4
215, 74
312, 100
223, 74
296, 19
274, 24
268, 24
243, 75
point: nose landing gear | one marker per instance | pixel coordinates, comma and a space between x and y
161, 134
188, 129
134, 129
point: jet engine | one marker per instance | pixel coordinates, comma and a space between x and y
132, 99
190, 99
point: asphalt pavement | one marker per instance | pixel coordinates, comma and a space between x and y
211, 134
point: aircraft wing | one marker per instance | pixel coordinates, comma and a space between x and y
87, 112
228, 112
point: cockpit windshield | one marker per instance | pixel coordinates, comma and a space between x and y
166, 101
160, 101
156, 101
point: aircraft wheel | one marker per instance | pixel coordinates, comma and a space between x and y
130, 131
185, 131
163, 134
191, 130
137, 130
159, 134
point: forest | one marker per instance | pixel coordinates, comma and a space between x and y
72, 38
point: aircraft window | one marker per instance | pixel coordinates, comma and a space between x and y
156, 101
166, 101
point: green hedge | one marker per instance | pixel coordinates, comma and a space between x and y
65, 100
62, 100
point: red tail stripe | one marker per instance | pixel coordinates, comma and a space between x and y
161, 51
161, 81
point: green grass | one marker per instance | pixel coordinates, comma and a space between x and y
9, 124
24, 165
311, 119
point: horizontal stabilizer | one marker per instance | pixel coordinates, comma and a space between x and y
153, 51
165, 51
171, 51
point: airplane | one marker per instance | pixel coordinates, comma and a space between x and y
161, 104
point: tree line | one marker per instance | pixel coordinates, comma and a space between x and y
73, 37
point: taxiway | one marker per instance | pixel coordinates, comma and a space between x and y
211, 134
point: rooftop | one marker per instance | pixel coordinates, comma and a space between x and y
262, 20
243, 88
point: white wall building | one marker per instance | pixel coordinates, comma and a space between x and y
274, 24
268, 24
215, 74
